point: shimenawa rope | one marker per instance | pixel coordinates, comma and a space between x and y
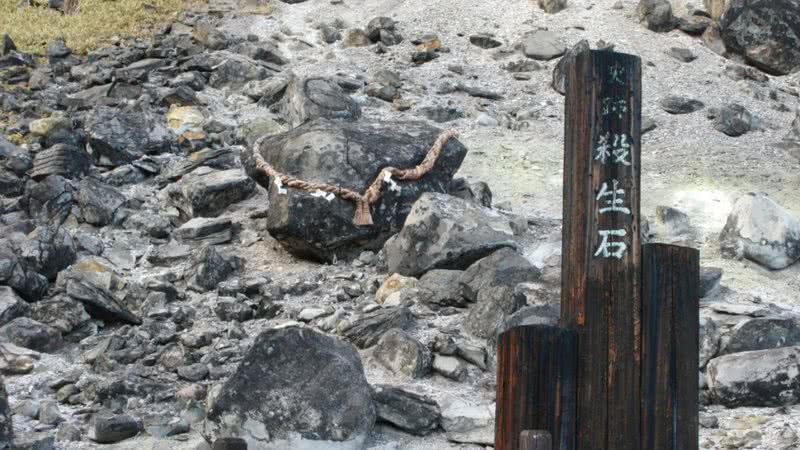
362, 216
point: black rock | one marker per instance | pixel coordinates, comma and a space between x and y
377, 25
464, 234
409, 411
11, 305
442, 114
694, 25
477, 192
732, 119
766, 34
367, 329
233, 71
656, 15
310, 98
303, 386
762, 333
484, 41
441, 287
50, 200
6, 427
88, 282
423, 56
402, 354
61, 159
207, 192
504, 268
709, 279
349, 155
119, 136
757, 378
98, 201
675, 104
213, 267
16, 273
31, 334
48, 250
14, 158
110, 429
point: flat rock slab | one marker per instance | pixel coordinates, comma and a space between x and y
446, 232
349, 155
757, 378
207, 192
543, 45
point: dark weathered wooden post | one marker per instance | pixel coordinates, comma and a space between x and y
535, 440
670, 339
536, 385
601, 248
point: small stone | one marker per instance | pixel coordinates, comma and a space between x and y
473, 354
682, 54
395, 283
194, 372
49, 413
402, 354
111, 429
543, 45
68, 432
450, 367
485, 41
675, 104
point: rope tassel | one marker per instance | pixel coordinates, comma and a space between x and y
362, 215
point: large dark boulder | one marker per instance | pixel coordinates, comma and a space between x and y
765, 32
295, 388
349, 155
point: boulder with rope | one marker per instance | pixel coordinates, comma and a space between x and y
339, 188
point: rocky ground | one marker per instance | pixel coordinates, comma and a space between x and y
158, 291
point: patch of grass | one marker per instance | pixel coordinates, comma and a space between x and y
97, 23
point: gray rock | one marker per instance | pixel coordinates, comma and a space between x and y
11, 305
205, 230
212, 267
562, 69
61, 159
111, 429
552, 6
682, 54
543, 45
367, 329
229, 308
543, 314
494, 306
14, 158
233, 71
762, 333
675, 104
91, 282
267, 92
484, 40
379, 26
522, 66
732, 119
761, 230
441, 287
68, 432
477, 192
409, 411
504, 268
50, 200
295, 388
98, 201
709, 280
16, 273
31, 334
402, 354
473, 354
62, 313
709, 340
49, 414
349, 155
193, 372
467, 423
207, 192
656, 15
140, 71
262, 51
442, 114
450, 367
757, 378
445, 232
766, 34
694, 25
6, 427
119, 136
48, 250
311, 98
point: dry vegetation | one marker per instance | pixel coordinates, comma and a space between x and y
97, 23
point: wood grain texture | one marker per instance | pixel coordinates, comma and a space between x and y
535, 440
602, 295
670, 337
536, 385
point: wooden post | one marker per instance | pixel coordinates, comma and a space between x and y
601, 249
536, 385
535, 440
670, 339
